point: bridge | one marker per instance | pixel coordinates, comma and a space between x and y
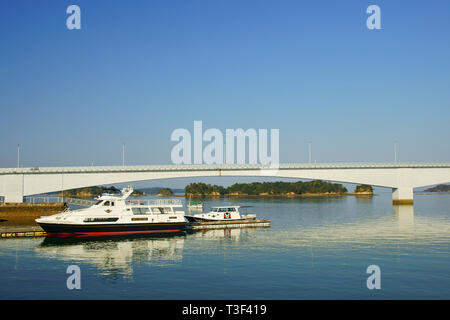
15, 183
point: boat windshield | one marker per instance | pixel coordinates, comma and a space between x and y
223, 209
98, 202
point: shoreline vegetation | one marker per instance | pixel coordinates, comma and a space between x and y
440, 188
316, 188
90, 192
164, 192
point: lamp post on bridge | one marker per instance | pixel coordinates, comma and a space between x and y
395, 152
123, 155
309, 149
18, 155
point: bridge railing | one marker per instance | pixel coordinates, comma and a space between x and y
42, 199
90, 202
80, 202
156, 202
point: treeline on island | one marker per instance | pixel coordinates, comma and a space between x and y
316, 187
90, 192
439, 188
364, 189
165, 192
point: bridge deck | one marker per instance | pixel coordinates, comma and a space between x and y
224, 167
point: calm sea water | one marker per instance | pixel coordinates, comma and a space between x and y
316, 248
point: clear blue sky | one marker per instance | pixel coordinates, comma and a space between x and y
137, 70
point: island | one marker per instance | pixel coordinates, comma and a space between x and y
439, 188
267, 189
164, 192
363, 190
91, 192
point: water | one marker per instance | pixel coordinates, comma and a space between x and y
316, 248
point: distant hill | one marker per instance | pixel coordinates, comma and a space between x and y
439, 188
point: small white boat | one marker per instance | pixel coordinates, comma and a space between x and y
196, 205
113, 215
226, 213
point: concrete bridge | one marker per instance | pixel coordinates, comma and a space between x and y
15, 183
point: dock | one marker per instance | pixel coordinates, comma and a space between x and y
29, 232
228, 224
36, 231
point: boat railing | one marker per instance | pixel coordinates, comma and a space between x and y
156, 202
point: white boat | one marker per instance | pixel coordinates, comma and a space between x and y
225, 213
114, 215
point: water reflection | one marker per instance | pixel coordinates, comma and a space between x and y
115, 256
404, 215
231, 234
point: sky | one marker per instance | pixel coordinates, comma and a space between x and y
138, 70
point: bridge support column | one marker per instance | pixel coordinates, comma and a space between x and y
14, 198
403, 195
12, 187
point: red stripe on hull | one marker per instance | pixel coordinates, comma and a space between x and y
105, 233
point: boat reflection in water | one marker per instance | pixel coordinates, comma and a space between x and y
115, 256
225, 234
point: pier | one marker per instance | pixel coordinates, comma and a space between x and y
30, 232
228, 224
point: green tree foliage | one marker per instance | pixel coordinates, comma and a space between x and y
363, 188
439, 188
96, 191
165, 192
202, 189
269, 188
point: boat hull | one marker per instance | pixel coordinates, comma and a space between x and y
192, 219
65, 230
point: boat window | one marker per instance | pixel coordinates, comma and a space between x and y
100, 219
106, 203
232, 209
215, 210
223, 210
140, 210
162, 210
112, 204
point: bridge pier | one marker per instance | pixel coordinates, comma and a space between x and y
403, 195
13, 198
12, 188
